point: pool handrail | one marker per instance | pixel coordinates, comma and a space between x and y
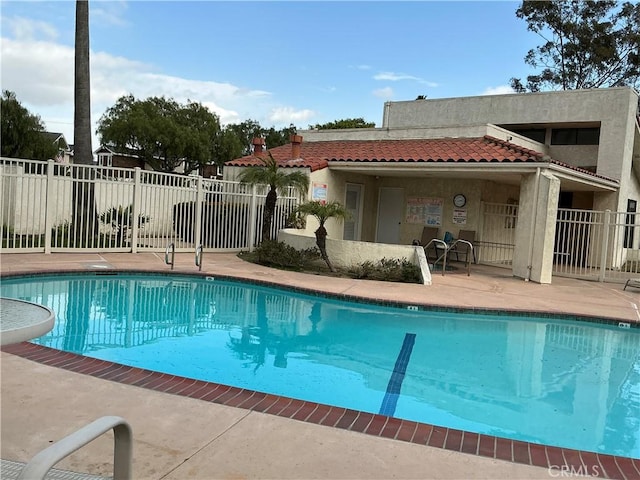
198, 258
40, 464
170, 248
437, 243
446, 249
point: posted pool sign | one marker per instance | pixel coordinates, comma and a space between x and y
319, 192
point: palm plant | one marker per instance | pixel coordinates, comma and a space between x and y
323, 212
278, 180
84, 210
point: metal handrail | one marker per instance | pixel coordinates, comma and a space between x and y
39, 465
198, 259
443, 257
171, 247
468, 253
446, 249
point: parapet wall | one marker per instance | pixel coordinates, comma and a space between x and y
347, 253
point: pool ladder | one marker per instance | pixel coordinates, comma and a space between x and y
171, 250
39, 465
170, 253
199, 257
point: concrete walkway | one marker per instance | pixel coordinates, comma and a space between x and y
182, 438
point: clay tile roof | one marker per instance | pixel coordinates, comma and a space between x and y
316, 155
487, 149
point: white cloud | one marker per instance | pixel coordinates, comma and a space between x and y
361, 67
26, 29
287, 115
500, 90
40, 72
385, 93
109, 13
396, 77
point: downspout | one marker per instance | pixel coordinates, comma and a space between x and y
533, 222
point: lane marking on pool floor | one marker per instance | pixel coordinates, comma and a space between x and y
390, 400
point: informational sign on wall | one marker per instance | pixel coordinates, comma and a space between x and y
459, 216
424, 210
319, 192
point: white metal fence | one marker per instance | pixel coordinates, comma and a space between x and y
596, 245
497, 237
130, 210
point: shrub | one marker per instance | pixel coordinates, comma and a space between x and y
388, 270
279, 254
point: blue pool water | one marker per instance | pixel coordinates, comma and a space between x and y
557, 382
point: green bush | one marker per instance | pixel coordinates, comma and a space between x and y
388, 270
279, 254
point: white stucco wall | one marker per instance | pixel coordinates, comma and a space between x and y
347, 253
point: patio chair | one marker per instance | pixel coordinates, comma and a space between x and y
632, 282
463, 248
428, 234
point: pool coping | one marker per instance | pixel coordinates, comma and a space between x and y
549, 457
516, 451
418, 306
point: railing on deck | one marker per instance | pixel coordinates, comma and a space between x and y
50, 207
589, 244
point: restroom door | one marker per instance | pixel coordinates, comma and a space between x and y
353, 204
390, 212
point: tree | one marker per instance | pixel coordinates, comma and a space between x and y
323, 212
344, 123
275, 138
82, 151
278, 180
250, 129
162, 132
226, 146
22, 132
84, 209
587, 44
246, 132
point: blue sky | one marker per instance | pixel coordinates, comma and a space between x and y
274, 62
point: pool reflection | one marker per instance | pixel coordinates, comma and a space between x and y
562, 383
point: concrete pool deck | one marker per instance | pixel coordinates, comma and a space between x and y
177, 437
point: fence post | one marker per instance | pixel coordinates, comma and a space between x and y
135, 209
606, 225
253, 216
197, 234
48, 207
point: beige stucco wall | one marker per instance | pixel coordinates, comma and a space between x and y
535, 232
347, 253
614, 109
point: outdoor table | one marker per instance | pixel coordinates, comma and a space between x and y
21, 321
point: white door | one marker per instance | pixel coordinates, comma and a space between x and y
390, 212
353, 204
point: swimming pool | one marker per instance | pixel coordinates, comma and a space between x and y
555, 382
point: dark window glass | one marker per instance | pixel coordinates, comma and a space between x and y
563, 136
535, 134
575, 136
630, 220
588, 136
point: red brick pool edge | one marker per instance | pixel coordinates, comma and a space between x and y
566, 462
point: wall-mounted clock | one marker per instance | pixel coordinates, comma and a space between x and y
459, 200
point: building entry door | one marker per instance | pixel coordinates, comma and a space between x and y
353, 204
390, 212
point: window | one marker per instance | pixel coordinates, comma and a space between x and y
104, 159
630, 220
575, 136
535, 134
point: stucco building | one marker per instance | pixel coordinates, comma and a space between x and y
510, 163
